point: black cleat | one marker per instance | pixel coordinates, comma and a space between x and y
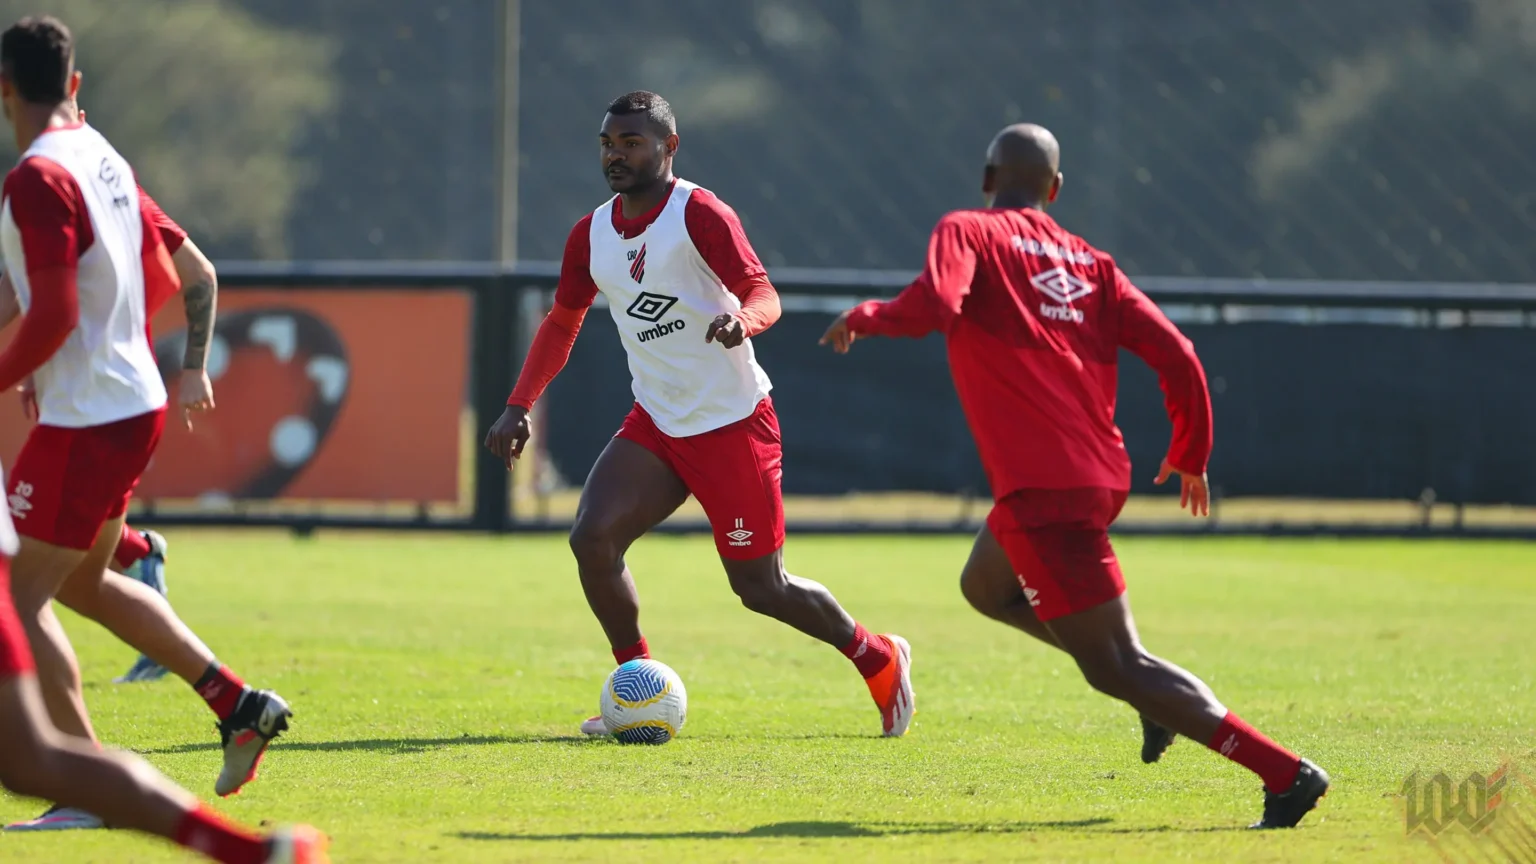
1155, 740
1286, 809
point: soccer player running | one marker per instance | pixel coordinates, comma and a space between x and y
1034, 319
86, 265
141, 555
80, 253
688, 294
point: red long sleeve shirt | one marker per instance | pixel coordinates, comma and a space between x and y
50, 214
1033, 318
720, 239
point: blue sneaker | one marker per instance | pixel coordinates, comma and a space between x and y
151, 571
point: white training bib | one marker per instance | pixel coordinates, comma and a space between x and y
663, 298
105, 371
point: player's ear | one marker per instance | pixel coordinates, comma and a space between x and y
74, 85
1056, 186
670, 144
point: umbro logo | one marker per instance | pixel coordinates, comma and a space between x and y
19, 501
1059, 285
1030, 594
650, 307
739, 536
637, 265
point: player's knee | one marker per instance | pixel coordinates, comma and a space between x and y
1106, 673
763, 596
593, 543
975, 594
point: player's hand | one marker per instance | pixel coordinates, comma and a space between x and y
28, 391
1194, 493
508, 435
196, 394
838, 335
726, 330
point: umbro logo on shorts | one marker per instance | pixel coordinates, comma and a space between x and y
739, 536
20, 506
651, 307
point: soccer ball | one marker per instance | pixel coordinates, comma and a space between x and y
644, 702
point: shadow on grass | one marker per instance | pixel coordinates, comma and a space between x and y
806, 830
391, 745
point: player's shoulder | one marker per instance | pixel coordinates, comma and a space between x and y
36, 174
705, 201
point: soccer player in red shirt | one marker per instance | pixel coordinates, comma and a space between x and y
688, 294
68, 166
248, 718
141, 555
1034, 319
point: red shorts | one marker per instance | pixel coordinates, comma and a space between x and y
68, 482
1058, 543
15, 652
735, 472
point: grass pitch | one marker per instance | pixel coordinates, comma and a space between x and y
438, 682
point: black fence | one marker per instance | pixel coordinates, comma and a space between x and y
1349, 391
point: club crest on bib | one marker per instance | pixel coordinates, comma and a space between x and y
637, 264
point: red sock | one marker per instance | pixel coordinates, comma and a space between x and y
221, 689
1248, 747
131, 548
637, 651
870, 654
205, 831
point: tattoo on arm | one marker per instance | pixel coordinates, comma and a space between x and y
201, 300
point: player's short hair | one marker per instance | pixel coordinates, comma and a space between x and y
657, 111
37, 54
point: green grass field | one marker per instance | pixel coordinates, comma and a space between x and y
438, 682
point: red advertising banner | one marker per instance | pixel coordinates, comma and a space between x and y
322, 394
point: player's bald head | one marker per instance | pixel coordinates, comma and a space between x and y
1024, 160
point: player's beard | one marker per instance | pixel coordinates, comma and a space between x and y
638, 183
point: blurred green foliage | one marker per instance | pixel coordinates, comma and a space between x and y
206, 101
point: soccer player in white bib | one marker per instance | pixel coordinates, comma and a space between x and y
83, 259
86, 264
688, 294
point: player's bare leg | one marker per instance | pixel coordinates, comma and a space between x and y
38, 762
1104, 642
766, 588
884, 660
992, 588
248, 719
141, 555
628, 492
138, 615
37, 573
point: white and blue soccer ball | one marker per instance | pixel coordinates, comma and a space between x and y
644, 702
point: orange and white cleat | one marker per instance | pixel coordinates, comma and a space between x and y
297, 844
891, 688
594, 726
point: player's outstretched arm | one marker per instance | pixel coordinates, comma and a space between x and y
1146, 332
200, 300
928, 305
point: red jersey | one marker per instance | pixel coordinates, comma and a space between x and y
159, 290
1034, 318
